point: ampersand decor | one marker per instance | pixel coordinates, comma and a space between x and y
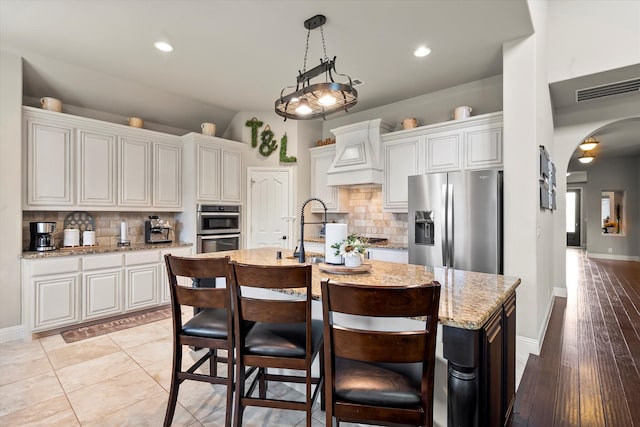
283, 151
268, 144
254, 124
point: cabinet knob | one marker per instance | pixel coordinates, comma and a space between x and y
284, 237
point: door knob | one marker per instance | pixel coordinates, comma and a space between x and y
284, 237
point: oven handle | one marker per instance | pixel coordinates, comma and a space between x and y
217, 236
228, 214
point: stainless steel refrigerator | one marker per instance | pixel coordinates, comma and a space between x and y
455, 220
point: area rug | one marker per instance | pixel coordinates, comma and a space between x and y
84, 332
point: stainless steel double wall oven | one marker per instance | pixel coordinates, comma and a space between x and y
219, 228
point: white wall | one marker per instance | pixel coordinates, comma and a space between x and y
301, 135
521, 179
10, 194
592, 36
618, 174
484, 96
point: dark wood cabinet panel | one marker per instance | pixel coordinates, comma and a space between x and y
492, 366
509, 354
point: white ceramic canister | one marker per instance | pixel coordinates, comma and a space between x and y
462, 112
51, 104
208, 129
88, 238
71, 237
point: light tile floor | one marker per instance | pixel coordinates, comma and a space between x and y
123, 378
118, 379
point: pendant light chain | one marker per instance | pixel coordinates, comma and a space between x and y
306, 50
324, 47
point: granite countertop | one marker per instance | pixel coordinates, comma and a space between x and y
92, 250
467, 299
371, 245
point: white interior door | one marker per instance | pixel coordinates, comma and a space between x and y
270, 205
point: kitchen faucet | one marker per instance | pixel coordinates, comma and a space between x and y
301, 254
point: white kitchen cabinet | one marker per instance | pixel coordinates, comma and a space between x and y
96, 168
102, 286
218, 173
391, 255
231, 177
401, 160
75, 162
483, 146
66, 290
456, 145
50, 293
134, 172
56, 301
442, 151
314, 247
165, 295
141, 279
141, 288
336, 198
208, 173
49, 172
167, 175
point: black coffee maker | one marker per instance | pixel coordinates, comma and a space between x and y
42, 236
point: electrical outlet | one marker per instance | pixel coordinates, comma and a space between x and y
610, 250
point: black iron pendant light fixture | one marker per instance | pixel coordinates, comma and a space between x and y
310, 101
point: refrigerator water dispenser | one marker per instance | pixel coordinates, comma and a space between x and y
424, 228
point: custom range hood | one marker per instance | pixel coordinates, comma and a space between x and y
358, 157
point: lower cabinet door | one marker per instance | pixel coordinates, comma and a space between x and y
56, 301
102, 293
141, 287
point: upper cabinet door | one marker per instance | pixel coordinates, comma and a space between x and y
208, 173
401, 160
231, 176
336, 198
49, 164
443, 151
134, 172
167, 175
96, 168
483, 146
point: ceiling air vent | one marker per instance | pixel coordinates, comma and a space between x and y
618, 88
357, 82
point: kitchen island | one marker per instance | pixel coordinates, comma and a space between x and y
477, 313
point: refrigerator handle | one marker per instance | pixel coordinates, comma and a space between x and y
443, 225
450, 229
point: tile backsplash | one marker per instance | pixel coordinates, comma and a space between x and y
367, 217
107, 225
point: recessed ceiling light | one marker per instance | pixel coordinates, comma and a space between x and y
421, 51
163, 46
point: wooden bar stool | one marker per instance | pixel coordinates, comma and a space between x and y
211, 327
284, 336
376, 376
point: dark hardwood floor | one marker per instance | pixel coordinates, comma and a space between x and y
587, 373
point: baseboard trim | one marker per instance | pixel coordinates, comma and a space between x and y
526, 346
614, 257
560, 292
12, 333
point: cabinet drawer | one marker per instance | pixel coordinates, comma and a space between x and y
55, 266
185, 252
101, 261
142, 257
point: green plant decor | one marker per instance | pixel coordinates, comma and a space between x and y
354, 245
254, 124
268, 144
283, 151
